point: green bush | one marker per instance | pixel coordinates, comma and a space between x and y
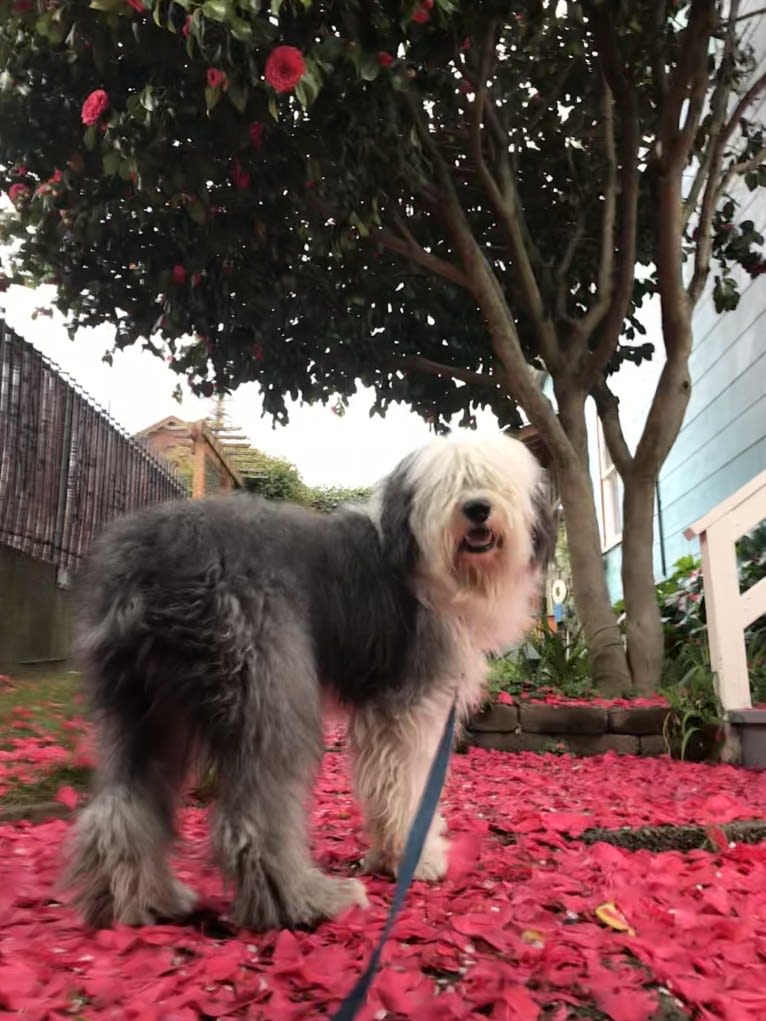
328, 498
550, 662
274, 478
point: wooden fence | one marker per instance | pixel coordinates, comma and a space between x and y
66, 468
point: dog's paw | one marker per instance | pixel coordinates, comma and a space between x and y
328, 896
376, 863
433, 862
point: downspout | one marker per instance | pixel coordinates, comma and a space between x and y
661, 530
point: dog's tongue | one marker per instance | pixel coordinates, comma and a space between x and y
478, 536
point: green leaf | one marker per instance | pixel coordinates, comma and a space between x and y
301, 95
107, 5
368, 67
217, 10
241, 29
237, 96
146, 98
212, 97
110, 162
197, 212
274, 109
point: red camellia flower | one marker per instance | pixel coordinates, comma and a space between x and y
215, 78
186, 28
421, 15
285, 67
178, 274
94, 107
136, 5
240, 177
258, 352
256, 132
385, 59
18, 192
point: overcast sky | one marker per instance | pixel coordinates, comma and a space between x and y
137, 390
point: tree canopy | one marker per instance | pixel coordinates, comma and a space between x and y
260, 234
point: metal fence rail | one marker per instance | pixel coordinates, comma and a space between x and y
66, 468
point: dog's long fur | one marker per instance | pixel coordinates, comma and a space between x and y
213, 630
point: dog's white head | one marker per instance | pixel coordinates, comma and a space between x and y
470, 514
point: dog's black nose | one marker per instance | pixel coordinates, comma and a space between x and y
477, 511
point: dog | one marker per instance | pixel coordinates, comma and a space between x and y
212, 632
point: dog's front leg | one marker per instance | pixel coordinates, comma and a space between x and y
392, 754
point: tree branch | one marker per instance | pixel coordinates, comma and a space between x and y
404, 244
747, 100
417, 363
688, 80
608, 408
750, 14
712, 192
659, 71
506, 205
562, 273
743, 167
627, 104
598, 309
718, 105
483, 284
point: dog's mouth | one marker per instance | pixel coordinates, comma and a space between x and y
480, 540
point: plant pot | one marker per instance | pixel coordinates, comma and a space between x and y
750, 727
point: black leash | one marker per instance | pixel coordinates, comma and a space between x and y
413, 848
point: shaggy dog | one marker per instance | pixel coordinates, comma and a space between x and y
212, 631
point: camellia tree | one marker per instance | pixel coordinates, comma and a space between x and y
447, 201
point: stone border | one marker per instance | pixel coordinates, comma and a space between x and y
580, 729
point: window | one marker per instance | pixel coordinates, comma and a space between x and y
611, 495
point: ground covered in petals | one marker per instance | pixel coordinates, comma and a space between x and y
532, 924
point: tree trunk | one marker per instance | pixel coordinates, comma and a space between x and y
602, 633
609, 664
645, 639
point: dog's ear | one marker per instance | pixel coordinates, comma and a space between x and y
544, 526
399, 543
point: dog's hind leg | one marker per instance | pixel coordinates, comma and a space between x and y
266, 761
122, 837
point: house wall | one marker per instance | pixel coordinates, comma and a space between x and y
35, 612
722, 444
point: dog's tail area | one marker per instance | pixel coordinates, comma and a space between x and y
147, 744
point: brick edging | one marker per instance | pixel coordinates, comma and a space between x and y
580, 729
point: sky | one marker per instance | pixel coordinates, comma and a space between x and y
354, 450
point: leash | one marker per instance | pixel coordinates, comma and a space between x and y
413, 848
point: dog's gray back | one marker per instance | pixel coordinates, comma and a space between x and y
207, 582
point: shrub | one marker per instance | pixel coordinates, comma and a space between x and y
550, 662
328, 498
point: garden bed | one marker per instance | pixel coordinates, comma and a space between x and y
581, 728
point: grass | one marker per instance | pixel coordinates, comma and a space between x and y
44, 790
51, 701
36, 705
